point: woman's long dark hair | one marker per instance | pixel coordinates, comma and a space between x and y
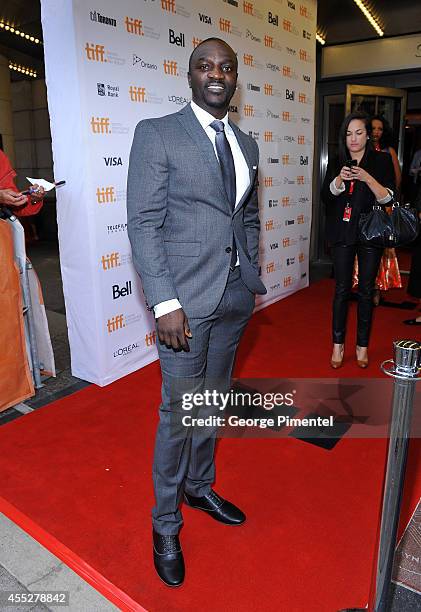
343, 152
387, 137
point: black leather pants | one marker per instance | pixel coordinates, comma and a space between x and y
368, 265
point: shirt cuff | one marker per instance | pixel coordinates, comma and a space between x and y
387, 198
166, 307
336, 190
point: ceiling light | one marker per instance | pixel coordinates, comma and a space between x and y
22, 69
13, 30
369, 16
320, 39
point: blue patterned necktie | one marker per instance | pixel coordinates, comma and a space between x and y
226, 160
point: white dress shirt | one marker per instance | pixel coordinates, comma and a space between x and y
242, 179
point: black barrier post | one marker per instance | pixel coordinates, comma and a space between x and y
405, 369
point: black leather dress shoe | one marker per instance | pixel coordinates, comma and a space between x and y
168, 558
219, 509
412, 322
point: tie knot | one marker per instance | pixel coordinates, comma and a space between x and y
217, 125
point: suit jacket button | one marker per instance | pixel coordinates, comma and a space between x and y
228, 250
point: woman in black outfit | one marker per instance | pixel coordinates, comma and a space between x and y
349, 190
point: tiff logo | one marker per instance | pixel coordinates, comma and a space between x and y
268, 181
304, 56
150, 339
285, 159
115, 323
286, 71
301, 140
248, 59
286, 116
196, 42
248, 8
225, 25
95, 52
248, 110
300, 219
268, 136
268, 41
100, 125
302, 98
168, 5
287, 281
270, 267
269, 225
268, 89
304, 12
137, 94
285, 201
134, 26
105, 195
111, 260
300, 180
171, 67
286, 242
287, 25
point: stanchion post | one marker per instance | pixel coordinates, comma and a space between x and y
406, 372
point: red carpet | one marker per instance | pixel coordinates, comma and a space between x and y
77, 475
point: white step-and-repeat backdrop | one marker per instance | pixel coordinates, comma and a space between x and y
110, 64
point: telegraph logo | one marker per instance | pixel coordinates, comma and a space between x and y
290, 95
123, 291
95, 16
168, 5
137, 94
248, 59
248, 110
176, 40
268, 89
105, 195
171, 67
303, 160
248, 8
115, 323
273, 19
291, 5
95, 53
225, 25
116, 228
134, 26
205, 19
113, 161
110, 261
111, 91
150, 339
268, 136
138, 61
196, 42
100, 125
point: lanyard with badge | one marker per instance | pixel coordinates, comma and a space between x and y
348, 207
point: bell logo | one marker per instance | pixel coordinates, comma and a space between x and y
115, 323
168, 5
290, 94
273, 19
285, 201
134, 26
225, 25
137, 94
268, 89
248, 110
248, 8
287, 25
301, 140
285, 160
268, 181
248, 59
286, 116
287, 281
150, 339
270, 267
111, 260
196, 42
269, 226
171, 67
268, 136
300, 180
300, 219
100, 125
302, 98
286, 242
105, 195
304, 56
268, 41
303, 160
95, 52
176, 40
119, 292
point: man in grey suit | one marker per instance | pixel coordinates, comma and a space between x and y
194, 229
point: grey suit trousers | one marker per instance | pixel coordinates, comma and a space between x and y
184, 458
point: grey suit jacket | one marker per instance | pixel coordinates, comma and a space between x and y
180, 223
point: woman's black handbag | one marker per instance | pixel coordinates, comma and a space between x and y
377, 228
